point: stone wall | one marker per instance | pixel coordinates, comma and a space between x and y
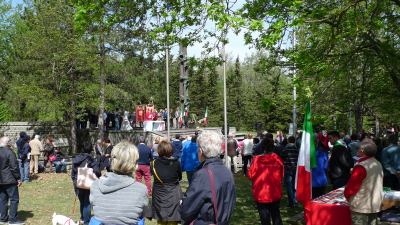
62, 134
12, 130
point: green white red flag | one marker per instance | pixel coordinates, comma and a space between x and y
307, 160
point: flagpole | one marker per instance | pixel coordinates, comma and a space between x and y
167, 78
227, 164
294, 115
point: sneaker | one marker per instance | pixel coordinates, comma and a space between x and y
3, 222
16, 223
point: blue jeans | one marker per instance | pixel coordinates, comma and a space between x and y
24, 169
10, 193
83, 196
60, 167
290, 176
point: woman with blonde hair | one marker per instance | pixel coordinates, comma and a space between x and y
167, 191
117, 198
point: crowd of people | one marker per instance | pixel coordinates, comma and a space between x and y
128, 120
30, 149
120, 197
21, 166
360, 163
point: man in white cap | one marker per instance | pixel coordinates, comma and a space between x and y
36, 148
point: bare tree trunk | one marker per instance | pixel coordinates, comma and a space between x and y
360, 101
73, 127
72, 111
358, 117
102, 83
377, 125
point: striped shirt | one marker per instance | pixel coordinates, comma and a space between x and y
290, 156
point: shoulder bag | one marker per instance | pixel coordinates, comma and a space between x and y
213, 196
85, 178
155, 172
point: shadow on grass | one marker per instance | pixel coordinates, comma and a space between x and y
24, 215
246, 211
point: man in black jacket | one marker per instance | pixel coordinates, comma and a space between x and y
340, 162
10, 180
105, 161
81, 160
290, 155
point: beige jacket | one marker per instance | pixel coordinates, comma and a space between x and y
36, 146
369, 198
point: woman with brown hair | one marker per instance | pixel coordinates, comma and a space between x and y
167, 191
48, 152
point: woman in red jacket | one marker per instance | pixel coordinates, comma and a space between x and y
266, 174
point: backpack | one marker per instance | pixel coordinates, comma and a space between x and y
86, 177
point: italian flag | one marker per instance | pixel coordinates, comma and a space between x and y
306, 161
205, 117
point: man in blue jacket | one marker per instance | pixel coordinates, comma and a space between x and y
177, 145
143, 169
190, 160
10, 180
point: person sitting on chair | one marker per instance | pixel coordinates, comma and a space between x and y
59, 163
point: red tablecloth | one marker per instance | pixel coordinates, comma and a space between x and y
330, 209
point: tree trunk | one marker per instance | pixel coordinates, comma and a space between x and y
377, 124
73, 127
359, 102
350, 123
358, 117
72, 111
102, 83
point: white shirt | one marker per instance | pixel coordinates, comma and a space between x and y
248, 146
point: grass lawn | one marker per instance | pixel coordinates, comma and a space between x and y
54, 193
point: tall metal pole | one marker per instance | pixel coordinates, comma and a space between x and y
294, 107
225, 111
167, 78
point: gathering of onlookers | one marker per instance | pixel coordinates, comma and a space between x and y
117, 196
